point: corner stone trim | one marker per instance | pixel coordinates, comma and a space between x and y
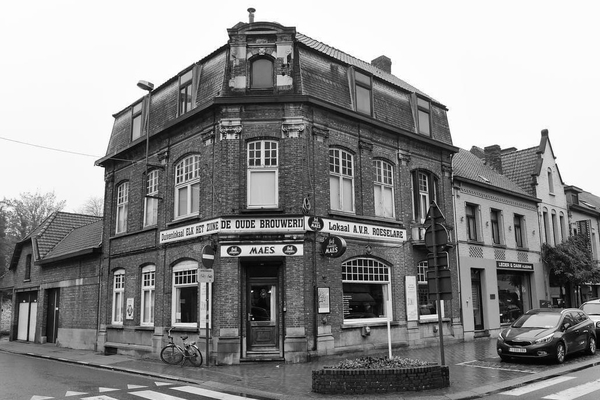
230, 128
292, 128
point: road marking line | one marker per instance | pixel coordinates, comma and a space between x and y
102, 397
162, 383
70, 393
537, 385
209, 393
135, 387
575, 392
528, 371
152, 395
104, 389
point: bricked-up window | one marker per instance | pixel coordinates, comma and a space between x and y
185, 92
148, 281
261, 76
187, 187
424, 187
341, 180
471, 216
363, 89
263, 174
28, 267
495, 225
366, 291
118, 296
185, 294
518, 227
136, 121
384, 189
122, 205
550, 181
427, 307
151, 199
424, 113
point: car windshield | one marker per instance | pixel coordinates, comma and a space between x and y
591, 308
542, 320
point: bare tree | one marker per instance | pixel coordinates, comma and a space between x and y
93, 206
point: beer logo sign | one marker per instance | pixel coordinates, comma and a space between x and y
234, 251
290, 250
315, 223
333, 246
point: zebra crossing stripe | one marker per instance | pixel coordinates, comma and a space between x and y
575, 392
102, 397
536, 386
152, 395
209, 393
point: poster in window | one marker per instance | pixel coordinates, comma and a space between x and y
412, 301
129, 309
323, 300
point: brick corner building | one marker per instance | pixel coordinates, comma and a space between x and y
302, 177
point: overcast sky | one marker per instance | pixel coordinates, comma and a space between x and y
505, 70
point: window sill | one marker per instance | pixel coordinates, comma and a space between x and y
342, 213
187, 329
365, 322
522, 248
476, 242
115, 327
261, 210
499, 245
432, 320
184, 220
144, 328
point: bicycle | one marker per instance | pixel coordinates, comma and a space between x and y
173, 353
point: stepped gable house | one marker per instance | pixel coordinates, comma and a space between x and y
301, 176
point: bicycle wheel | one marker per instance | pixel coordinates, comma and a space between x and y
170, 354
195, 356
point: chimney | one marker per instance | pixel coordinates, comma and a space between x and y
251, 12
493, 157
383, 63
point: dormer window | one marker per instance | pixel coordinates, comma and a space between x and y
363, 88
424, 113
261, 73
185, 92
136, 121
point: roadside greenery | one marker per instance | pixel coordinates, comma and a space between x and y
378, 363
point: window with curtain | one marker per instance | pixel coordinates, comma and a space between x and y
365, 283
341, 180
495, 225
122, 206
263, 174
118, 296
147, 303
187, 187
471, 217
383, 189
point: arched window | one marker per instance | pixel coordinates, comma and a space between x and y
187, 187
122, 206
147, 304
118, 296
366, 290
261, 74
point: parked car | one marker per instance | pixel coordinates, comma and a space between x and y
547, 333
592, 309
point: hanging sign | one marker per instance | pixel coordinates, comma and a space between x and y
333, 247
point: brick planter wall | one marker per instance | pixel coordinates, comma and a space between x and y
358, 381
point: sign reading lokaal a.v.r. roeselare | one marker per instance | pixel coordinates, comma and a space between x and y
283, 225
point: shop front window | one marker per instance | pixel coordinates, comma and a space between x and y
365, 283
514, 295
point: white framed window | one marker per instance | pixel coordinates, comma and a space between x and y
263, 174
384, 189
118, 296
147, 303
151, 199
366, 291
185, 294
341, 180
122, 205
427, 307
187, 187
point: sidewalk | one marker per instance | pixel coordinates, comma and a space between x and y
475, 369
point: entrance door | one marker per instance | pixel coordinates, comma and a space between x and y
52, 315
476, 298
263, 315
27, 316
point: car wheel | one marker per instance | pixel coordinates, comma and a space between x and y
591, 347
561, 352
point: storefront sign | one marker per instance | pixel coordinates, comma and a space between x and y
233, 225
514, 265
412, 302
365, 231
333, 247
262, 250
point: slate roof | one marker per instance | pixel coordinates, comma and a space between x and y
59, 228
78, 240
520, 165
591, 199
348, 59
467, 165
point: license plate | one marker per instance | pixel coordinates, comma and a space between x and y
517, 350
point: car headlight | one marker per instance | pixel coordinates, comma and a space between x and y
598, 325
545, 339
